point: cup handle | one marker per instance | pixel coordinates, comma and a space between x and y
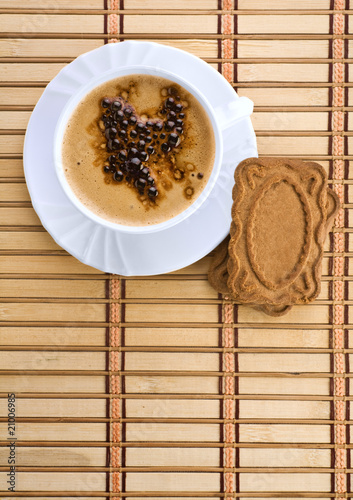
227, 116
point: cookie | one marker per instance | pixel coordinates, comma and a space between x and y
282, 212
218, 272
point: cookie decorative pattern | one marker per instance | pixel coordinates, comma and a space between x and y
304, 240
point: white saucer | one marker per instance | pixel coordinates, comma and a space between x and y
109, 249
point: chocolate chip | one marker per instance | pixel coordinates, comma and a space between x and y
106, 168
135, 163
141, 145
133, 152
169, 102
173, 139
112, 159
150, 181
124, 123
142, 136
152, 192
169, 126
178, 108
179, 123
155, 136
119, 115
143, 156
123, 155
110, 133
113, 169
116, 105
163, 111
140, 127
141, 183
118, 176
163, 136
158, 126
133, 133
115, 144
199, 175
148, 139
133, 120
144, 172
181, 115
122, 133
179, 130
150, 150
132, 144
171, 116
105, 103
165, 147
149, 123
128, 112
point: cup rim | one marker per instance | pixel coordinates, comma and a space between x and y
71, 105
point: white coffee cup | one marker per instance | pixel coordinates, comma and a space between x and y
83, 91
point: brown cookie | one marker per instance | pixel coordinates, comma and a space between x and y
277, 233
218, 272
275, 260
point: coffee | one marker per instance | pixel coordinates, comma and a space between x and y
138, 150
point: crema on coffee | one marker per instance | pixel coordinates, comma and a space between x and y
138, 150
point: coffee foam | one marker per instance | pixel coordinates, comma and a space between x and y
83, 155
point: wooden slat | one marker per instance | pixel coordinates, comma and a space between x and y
55, 384
42, 264
13, 47
283, 24
296, 97
37, 456
53, 312
169, 4
283, 73
51, 23
36, 241
62, 408
56, 5
282, 5
53, 288
282, 48
37, 336
56, 481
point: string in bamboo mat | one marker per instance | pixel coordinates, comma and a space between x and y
157, 387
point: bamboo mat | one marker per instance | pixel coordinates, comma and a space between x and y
157, 387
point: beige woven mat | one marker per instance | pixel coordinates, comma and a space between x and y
157, 387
